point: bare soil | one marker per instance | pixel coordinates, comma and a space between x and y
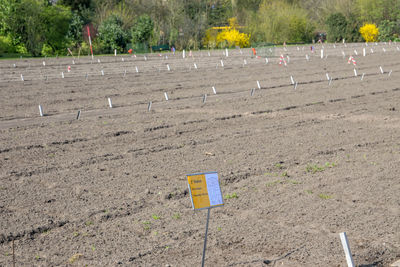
296, 166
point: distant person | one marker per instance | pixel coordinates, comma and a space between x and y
173, 49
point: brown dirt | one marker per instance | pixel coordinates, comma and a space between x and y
306, 164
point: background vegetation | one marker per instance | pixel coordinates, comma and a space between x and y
48, 27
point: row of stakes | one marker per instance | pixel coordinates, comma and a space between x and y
204, 99
252, 92
281, 60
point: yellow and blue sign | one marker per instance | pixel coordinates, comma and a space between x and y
205, 191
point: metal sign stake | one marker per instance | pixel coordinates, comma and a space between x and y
205, 238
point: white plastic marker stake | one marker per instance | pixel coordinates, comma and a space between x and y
390, 72
40, 111
16, 65
355, 72
183, 53
334, 46
372, 50
98, 60
204, 98
137, 70
145, 58
62, 75
124, 73
380, 67
252, 91
244, 62
195, 66
44, 63
295, 86
168, 67
166, 96
362, 76
398, 49
258, 84
214, 91
109, 102
73, 62
355, 52
298, 49
322, 53
226, 52
330, 81
122, 59
346, 248
327, 76
364, 53
344, 55
22, 78
102, 72
266, 60
115, 52
307, 58
209, 54
384, 50
288, 59
79, 115
222, 63
292, 80
149, 106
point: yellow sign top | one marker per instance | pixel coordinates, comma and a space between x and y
204, 190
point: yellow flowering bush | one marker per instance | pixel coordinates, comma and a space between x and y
233, 38
369, 32
229, 36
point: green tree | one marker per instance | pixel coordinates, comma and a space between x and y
388, 30
35, 23
75, 29
112, 35
336, 27
142, 30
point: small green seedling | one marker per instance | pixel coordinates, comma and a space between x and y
324, 196
233, 195
309, 191
88, 223
75, 257
93, 248
155, 217
146, 225
279, 165
176, 216
313, 168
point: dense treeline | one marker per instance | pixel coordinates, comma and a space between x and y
45, 27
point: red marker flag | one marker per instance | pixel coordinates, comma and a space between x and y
90, 41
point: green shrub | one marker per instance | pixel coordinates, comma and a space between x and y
112, 35
336, 27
